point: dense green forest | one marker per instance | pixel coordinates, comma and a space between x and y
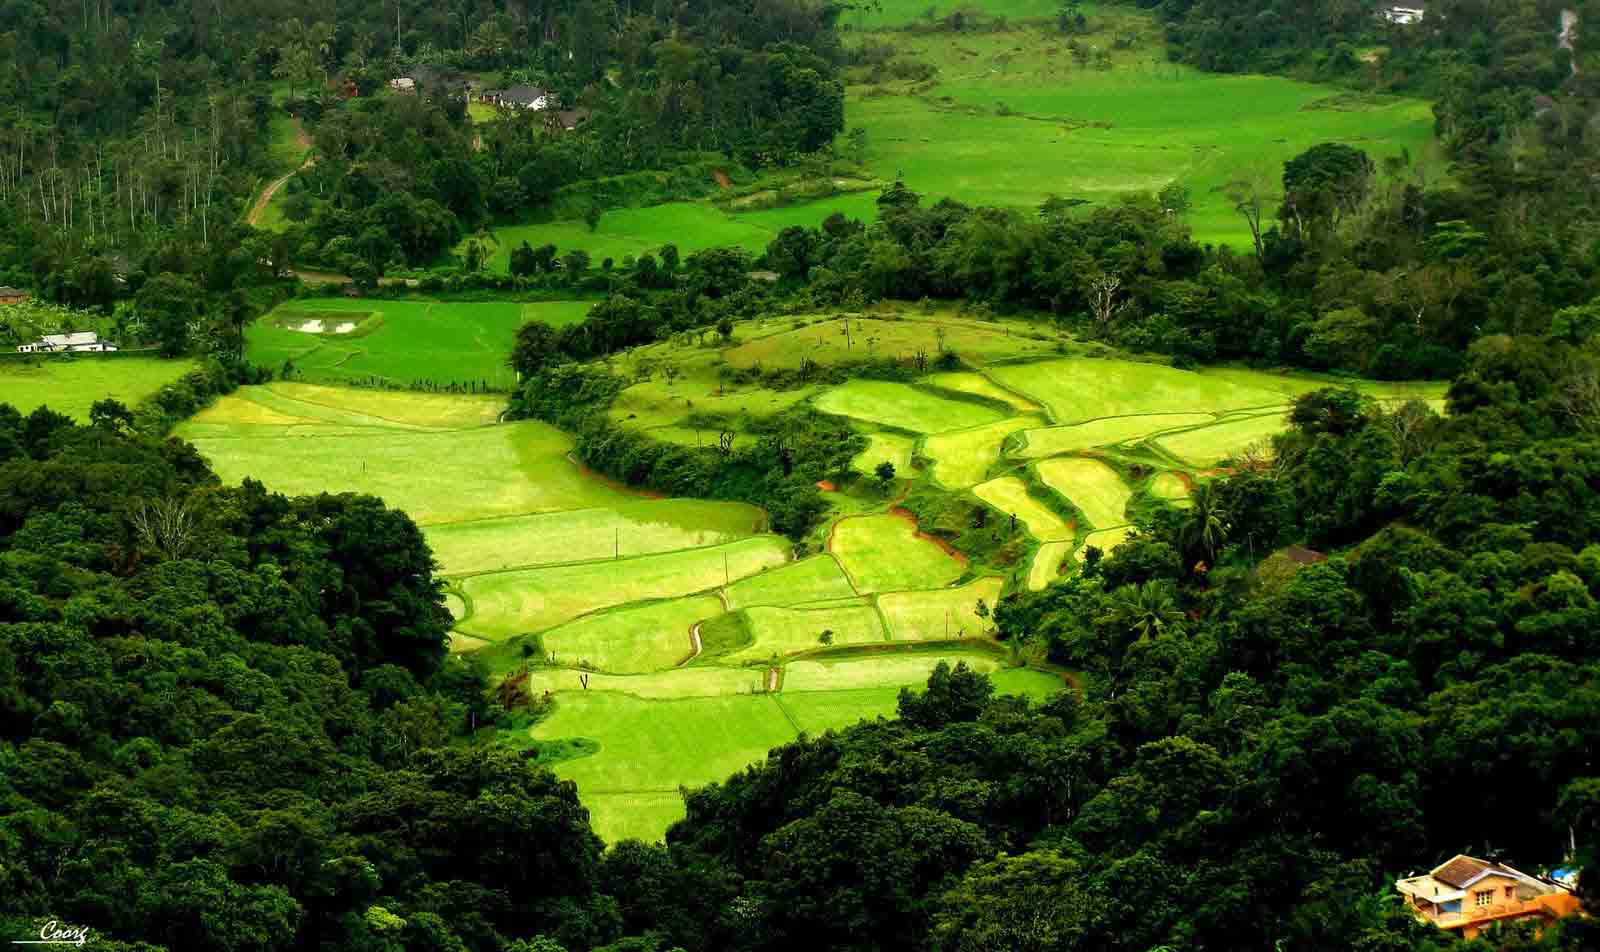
228, 719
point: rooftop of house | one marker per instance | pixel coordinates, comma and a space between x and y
7, 290
1452, 879
70, 339
524, 94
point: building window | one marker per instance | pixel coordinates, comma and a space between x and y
1485, 897
1511, 891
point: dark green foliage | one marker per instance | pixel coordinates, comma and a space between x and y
229, 728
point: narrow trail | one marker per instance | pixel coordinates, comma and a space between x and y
694, 644
772, 680
266, 196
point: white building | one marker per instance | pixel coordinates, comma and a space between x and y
83, 342
1403, 16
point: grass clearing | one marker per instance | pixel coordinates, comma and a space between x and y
903, 407
660, 403
401, 341
632, 640
785, 631
1046, 566
940, 615
885, 553
962, 458
809, 580
1093, 487
71, 384
1077, 390
1011, 118
1010, 495
507, 604
1055, 440
622, 529
624, 232
896, 448
1211, 445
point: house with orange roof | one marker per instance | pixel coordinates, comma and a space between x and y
1466, 895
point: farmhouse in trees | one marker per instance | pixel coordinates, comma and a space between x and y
520, 97
1465, 895
82, 343
10, 295
1404, 16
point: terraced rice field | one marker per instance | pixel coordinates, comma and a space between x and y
672, 623
1078, 390
896, 448
886, 554
1055, 440
903, 407
1010, 495
1213, 444
962, 458
1092, 486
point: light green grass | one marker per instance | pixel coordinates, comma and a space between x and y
287, 403
895, 448
899, 13
649, 748
942, 614
1105, 540
404, 340
962, 458
810, 580
902, 406
1054, 440
1298, 383
450, 476
1046, 565
1170, 487
883, 670
632, 640
980, 386
642, 527
482, 112
70, 385
885, 553
507, 604
692, 226
659, 402
784, 631
1094, 134
1092, 486
1213, 444
1077, 390
1010, 495
901, 336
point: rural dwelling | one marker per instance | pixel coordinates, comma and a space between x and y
1403, 16
404, 85
83, 342
524, 97
1466, 895
11, 295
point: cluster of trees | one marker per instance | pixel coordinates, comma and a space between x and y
144, 132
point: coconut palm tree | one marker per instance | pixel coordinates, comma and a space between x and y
1148, 610
1208, 523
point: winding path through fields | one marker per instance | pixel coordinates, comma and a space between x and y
265, 198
